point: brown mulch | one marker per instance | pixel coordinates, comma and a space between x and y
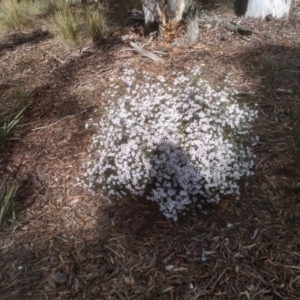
67, 244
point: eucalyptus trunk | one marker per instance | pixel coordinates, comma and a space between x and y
168, 14
263, 8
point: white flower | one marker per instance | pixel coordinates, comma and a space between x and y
183, 143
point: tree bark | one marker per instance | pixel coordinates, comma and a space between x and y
150, 13
167, 14
263, 8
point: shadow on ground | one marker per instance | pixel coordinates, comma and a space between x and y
15, 40
276, 70
74, 246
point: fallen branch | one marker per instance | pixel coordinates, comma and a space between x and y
146, 53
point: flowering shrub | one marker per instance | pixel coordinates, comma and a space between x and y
178, 144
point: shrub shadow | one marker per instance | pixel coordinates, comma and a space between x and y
175, 181
227, 251
276, 68
15, 40
240, 7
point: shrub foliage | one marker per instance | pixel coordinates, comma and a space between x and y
179, 144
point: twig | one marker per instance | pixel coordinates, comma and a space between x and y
284, 91
276, 293
282, 265
55, 57
161, 52
244, 93
126, 49
104, 70
263, 291
67, 117
146, 53
221, 275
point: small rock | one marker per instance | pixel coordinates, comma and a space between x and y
169, 267
229, 225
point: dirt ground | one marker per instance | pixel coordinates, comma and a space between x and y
67, 244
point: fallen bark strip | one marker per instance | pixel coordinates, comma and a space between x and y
236, 28
146, 53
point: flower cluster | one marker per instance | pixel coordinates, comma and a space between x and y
179, 144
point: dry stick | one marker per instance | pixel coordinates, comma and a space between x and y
67, 117
276, 293
55, 57
284, 91
263, 291
126, 49
146, 53
203, 293
103, 70
244, 93
218, 280
7, 245
282, 265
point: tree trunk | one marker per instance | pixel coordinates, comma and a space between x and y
150, 13
263, 8
167, 14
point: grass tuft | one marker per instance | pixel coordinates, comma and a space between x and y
9, 122
95, 23
69, 22
7, 194
16, 14
51, 7
66, 25
297, 110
